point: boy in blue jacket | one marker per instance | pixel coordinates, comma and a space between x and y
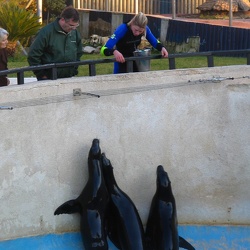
125, 40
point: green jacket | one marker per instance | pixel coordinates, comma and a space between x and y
53, 45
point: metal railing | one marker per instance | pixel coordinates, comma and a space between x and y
92, 63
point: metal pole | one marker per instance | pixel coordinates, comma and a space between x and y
173, 9
40, 10
6, 107
230, 12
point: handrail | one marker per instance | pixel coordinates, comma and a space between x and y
92, 63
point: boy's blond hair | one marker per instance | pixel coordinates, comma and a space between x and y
139, 20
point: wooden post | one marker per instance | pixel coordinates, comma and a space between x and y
230, 12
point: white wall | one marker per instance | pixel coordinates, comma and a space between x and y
196, 126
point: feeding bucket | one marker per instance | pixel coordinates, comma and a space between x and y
144, 64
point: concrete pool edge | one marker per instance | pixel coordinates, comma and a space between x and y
212, 237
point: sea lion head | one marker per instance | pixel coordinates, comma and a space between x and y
162, 178
95, 150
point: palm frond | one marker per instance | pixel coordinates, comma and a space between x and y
20, 23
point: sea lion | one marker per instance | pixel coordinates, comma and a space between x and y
91, 204
124, 224
162, 225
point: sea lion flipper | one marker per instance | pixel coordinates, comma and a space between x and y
184, 244
69, 207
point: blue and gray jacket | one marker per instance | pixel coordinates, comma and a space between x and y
126, 43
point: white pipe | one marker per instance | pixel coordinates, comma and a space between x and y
40, 10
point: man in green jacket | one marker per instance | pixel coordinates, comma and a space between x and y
57, 42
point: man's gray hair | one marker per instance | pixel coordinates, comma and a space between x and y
3, 33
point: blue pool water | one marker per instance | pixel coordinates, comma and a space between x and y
201, 237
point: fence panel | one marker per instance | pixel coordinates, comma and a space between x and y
153, 7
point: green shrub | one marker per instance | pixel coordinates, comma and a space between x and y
20, 23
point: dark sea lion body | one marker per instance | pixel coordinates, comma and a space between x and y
124, 225
91, 204
162, 225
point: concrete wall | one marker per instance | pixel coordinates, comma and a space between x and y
195, 122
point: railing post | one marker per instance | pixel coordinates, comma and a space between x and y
210, 61
20, 78
92, 70
171, 63
129, 66
54, 73
248, 58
